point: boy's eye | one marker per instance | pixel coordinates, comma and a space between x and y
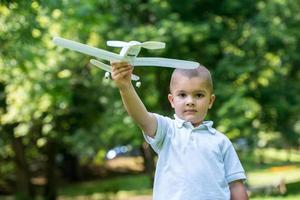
181, 95
200, 95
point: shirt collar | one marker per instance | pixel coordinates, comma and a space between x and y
205, 124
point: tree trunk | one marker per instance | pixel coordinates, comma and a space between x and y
148, 160
50, 169
24, 187
70, 167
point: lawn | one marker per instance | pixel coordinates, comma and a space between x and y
289, 173
138, 186
290, 197
270, 172
133, 186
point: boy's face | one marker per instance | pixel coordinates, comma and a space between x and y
190, 98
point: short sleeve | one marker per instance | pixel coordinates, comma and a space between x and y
163, 124
233, 167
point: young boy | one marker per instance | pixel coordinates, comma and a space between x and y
195, 161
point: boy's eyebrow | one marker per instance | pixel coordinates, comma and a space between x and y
204, 91
180, 91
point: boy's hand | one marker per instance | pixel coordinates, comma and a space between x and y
121, 73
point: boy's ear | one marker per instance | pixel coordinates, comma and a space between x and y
211, 101
170, 98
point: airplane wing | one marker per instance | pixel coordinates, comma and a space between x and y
139, 61
107, 68
85, 49
164, 62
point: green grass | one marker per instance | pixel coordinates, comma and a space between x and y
267, 173
290, 197
139, 183
274, 167
127, 186
290, 173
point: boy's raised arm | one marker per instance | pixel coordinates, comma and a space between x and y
121, 74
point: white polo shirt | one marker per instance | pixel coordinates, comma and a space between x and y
193, 163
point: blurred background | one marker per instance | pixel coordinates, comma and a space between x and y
64, 133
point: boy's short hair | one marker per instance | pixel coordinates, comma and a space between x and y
201, 72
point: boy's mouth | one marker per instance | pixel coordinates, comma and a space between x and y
190, 111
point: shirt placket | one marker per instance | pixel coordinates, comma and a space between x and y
190, 138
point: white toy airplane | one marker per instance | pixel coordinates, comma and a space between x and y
128, 53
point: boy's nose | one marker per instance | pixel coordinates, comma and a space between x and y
190, 101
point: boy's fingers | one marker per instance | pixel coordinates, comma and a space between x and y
121, 75
121, 72
114, 62
119, 63
121, 68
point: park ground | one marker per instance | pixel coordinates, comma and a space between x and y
264, 177
266, 169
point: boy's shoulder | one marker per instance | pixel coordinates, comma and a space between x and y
223, 141
222, 135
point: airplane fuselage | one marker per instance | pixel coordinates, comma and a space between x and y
131, 50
